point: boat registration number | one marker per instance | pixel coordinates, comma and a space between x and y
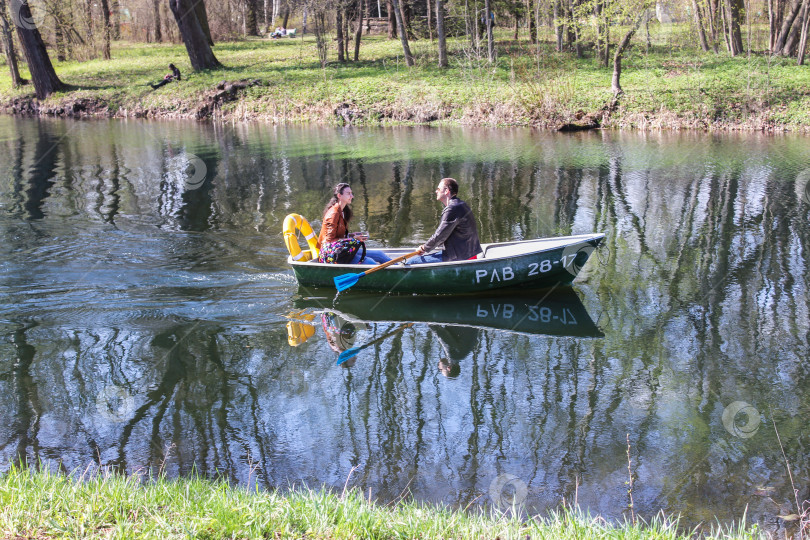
506, 273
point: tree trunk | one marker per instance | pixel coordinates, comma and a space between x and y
156, 11
392, 20
320, 38
606, 42
795, 33
251, 18
558, 26
114, 13
532, 22
735, 10
39, 63
202, 18
575, 32
339, 27
403, 35
713, 7
359, 33
704, 44
787, 24
803, 40
726, 26
617, 58
88, 19
347, 30
286, 17
440, 33
105, 48
193, 34
8, 47
429, 20
490, 37
404, 11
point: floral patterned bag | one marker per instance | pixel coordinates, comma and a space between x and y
342, 251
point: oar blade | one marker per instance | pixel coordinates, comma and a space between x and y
345, 281
348, 354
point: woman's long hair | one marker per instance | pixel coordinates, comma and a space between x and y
347, 212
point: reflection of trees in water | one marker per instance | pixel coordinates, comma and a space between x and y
704, 301
42, 171
722, 279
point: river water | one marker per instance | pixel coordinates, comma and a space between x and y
149, 320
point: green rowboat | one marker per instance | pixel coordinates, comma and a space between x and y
530, 263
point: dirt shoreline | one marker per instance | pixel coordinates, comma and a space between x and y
226, 103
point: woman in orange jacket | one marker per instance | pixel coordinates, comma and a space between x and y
336, 217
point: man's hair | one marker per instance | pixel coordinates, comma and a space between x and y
451, 184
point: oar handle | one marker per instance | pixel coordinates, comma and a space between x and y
389, 263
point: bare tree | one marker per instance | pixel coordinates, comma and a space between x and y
735, 11
440, 33
490, 37
251, 17
8, 48
704, 44
156, 10
359, 33
105, 8
339, 14
195, 38
39, 63
403, 34
617, 58
803, 39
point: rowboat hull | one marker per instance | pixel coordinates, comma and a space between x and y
532, 263
552, 312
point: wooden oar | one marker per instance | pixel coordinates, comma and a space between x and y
347, 280
351, 353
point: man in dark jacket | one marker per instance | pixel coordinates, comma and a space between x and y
457, 230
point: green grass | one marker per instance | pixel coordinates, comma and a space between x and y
665, 86
104, 505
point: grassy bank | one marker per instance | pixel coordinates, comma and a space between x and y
46, 505
665, 87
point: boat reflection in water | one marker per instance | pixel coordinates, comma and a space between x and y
456, 321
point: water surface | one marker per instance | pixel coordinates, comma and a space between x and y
148, 318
